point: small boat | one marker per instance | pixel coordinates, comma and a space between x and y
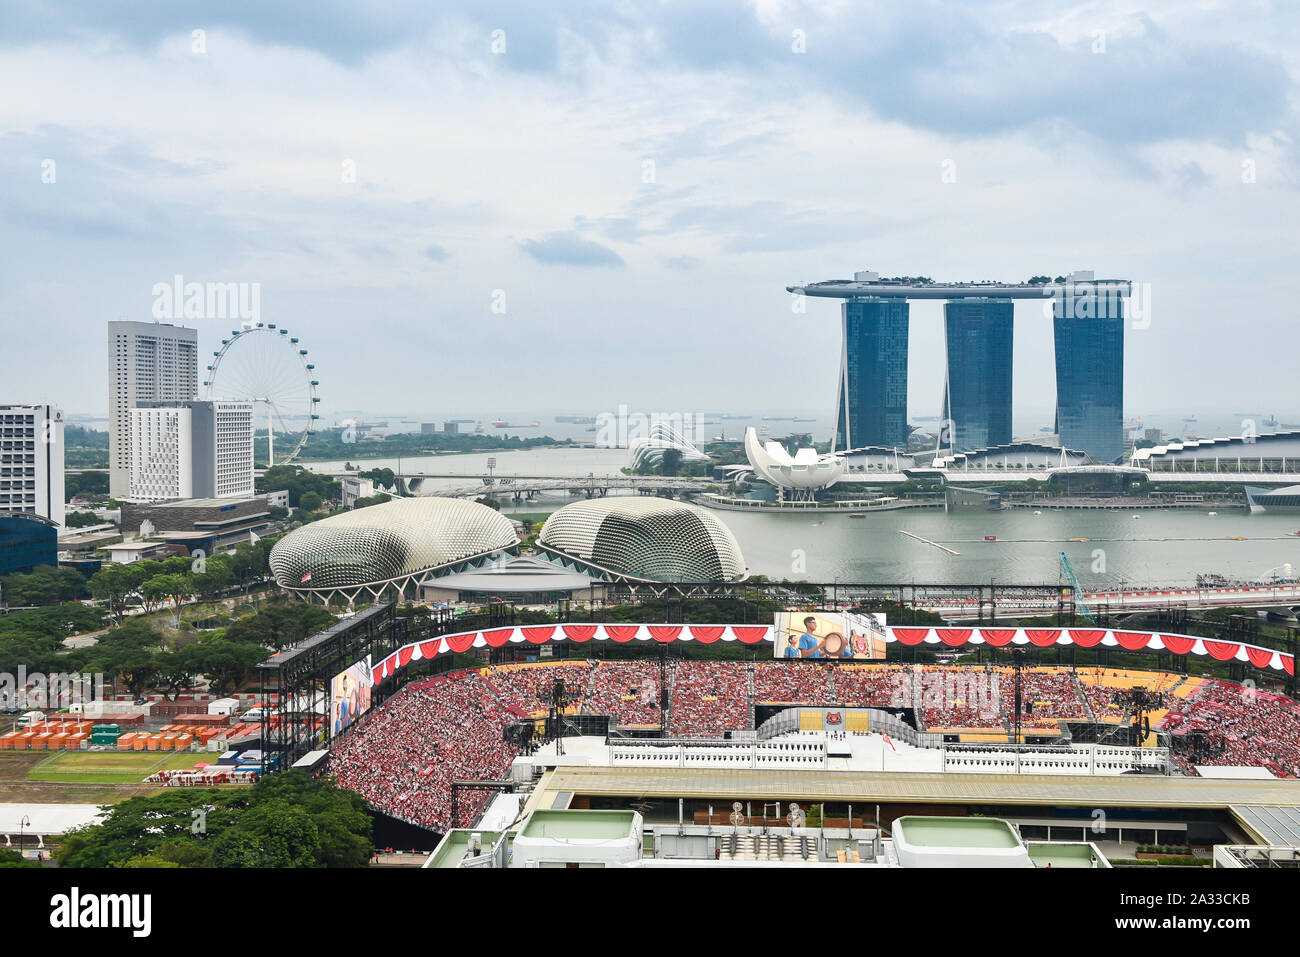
863, 515
990, 538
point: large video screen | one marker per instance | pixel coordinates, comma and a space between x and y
838, 635
349, 695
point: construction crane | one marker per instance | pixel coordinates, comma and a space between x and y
1080, 606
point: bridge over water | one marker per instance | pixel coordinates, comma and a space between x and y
1280, 596
525, 488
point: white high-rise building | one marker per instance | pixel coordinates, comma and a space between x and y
31, 460
198, 449
147, 362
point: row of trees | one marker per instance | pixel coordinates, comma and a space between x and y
288, 819
151, 583
43, 585
84, 485
140, 658
298, 481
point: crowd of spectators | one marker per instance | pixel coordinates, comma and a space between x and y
1046, 695
527, 688
403, 757
629, 691
1106, 692
873, 686
709, 697
960, 698
1244, 727
796, 682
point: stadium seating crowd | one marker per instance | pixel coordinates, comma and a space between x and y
960, 698
709, 697
1256, 728
799, 682
403, 756
628, 691
873, 686
527, 689
1048, 695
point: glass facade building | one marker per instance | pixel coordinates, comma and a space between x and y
977, 393
25, 542
1089, 330
871, 400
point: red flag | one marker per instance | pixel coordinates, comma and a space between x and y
888, 742
307, 577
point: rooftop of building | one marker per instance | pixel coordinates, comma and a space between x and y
197, 502
870, 285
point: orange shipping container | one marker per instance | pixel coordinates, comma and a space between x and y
73, 742
140, 743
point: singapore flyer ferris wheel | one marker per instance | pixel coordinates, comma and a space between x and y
268, 366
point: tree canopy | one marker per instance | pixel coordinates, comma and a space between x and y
288, 819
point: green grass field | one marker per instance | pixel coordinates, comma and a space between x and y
108, 767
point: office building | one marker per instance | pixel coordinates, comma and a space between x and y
196, 449
147, 362
31, 461
871, 407
27, 541
1089, 331
871, 399
977, 390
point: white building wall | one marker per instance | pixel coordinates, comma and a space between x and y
147, 361
162, 453
233, 452
31, 460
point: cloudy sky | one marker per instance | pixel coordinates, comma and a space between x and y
523, 206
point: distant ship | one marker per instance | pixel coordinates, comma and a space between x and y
503, 424
732, 416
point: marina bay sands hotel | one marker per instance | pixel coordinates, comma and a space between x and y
1088, 320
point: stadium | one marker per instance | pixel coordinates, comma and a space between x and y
626, 739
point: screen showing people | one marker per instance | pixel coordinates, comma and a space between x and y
349, 696
823, 634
